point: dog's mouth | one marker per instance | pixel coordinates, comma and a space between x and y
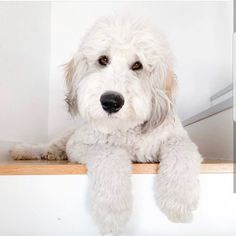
112, 116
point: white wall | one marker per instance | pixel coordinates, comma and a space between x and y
214, 136
57, 205
24, 70
200, 34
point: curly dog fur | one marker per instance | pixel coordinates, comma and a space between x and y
128, 57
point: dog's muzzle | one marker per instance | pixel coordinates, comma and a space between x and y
112, 101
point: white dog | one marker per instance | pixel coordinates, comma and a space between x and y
121, 85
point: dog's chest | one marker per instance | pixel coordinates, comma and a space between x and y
146, 148
143, 148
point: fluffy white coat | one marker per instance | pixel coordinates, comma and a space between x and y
145, 129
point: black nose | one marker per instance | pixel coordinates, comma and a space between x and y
111, 101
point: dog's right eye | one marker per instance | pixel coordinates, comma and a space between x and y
103, 60
137, 66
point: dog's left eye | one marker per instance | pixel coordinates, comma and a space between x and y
137, 66
103, 60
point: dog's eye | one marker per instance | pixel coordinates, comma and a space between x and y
103, 60
137, 66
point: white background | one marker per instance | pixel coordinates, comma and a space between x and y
24, 71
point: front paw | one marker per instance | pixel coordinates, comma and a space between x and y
177, 201
175, 211
111, 215
55, 156
111, 220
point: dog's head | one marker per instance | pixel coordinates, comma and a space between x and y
121, 76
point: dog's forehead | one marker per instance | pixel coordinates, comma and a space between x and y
134, 38
126, 35
120, 33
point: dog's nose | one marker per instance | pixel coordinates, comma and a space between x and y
111, 101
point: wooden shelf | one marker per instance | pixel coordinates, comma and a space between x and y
10, 167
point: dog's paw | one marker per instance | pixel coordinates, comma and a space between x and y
24, 152
56, 156
111, 211
111, 219
176, 211
177, 202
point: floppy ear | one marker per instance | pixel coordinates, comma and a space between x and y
171, 85
74, 71
163, 97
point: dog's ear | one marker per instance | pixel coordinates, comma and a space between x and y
163, 97
69, 71
74, 71
171, 85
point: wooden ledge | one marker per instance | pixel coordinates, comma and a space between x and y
66, 168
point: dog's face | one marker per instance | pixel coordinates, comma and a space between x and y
121, 76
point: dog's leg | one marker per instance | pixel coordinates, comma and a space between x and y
177, 184
109, 171
55, 150
26, 151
